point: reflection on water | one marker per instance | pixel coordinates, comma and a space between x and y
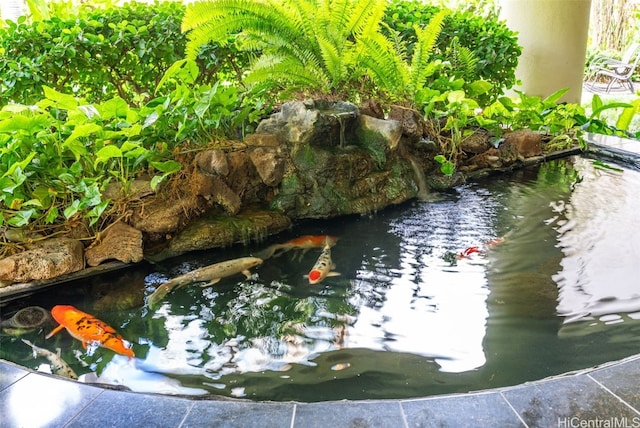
600, 269
406, 317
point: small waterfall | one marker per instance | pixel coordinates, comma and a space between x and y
423, 193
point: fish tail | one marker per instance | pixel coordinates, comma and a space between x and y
116, 344
269, 252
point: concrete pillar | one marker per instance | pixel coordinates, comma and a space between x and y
12, 9
553, 36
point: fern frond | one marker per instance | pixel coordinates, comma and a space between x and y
366, 16
226, 17
463, 60
285, 70
383, 63
426, 40
332, 59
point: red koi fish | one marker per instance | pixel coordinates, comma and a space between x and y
476, 249
88, 329
304, 243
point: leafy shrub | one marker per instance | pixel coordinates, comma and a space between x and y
490, 41
57, 157
97, 55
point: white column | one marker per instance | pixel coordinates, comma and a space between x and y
553, 36
12, 9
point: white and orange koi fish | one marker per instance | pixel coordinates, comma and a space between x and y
324, 266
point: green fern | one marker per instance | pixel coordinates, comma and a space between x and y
463, 60
421, 64
322, 46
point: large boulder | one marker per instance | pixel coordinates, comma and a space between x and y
46, 259
118, 242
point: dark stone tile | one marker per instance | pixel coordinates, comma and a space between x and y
349, 415
10, 374
213, 414
474, 410
567, 401
623, 380
120, 409
38, 400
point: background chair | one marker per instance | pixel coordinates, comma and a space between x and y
606, 73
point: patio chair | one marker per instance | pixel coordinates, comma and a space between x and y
606, 73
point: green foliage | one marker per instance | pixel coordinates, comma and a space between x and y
316, 47
557, 119
302, 45
97, 55
57, 157
488, 40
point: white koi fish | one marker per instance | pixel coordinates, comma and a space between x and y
210, 274
324, 266
58, 365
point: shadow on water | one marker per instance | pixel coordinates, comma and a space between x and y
405, 318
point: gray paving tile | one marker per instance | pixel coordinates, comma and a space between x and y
37, 400
10, 374
214, 414
623, 380
120, 409
566, 402
339, 414
474, 410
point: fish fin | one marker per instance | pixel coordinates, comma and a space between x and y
54, 331
247, 273
333, 274
210, 283
268, 252
84, 345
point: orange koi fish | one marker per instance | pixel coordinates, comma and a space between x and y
323, 267
476, 249
88, 329
304, 243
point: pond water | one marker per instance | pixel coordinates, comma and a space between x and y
406, 317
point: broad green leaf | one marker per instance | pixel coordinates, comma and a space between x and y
21, 122
167, 167
596, 102
16, 169
52, 215
21, 218
596, 113
83, 130
555, 97
479, 87
60, 100
72, 209
627, 115
115, 107
95, 213
185, 70
107, 152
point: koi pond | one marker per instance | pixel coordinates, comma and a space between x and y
416, 310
